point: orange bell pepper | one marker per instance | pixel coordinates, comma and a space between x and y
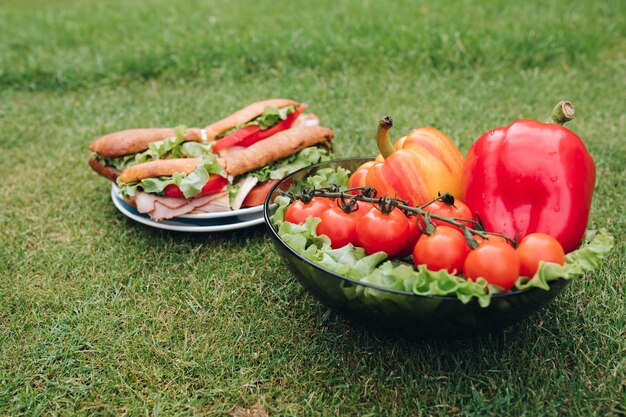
419, 166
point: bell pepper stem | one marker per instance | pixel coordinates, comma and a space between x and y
382, 137
563, 112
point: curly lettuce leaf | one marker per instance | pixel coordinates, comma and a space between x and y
168, 148
271, 115
323, 178
190, 184
373, 269
586, 259
280, 169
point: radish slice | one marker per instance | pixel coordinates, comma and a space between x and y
247, 184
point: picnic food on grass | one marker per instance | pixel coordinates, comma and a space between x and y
169, 188
450, 240
180, 169
118, 150
114, 152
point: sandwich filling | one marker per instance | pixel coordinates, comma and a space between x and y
270, 122
208, 189
189, 185
169, 148
270, 116
239, 188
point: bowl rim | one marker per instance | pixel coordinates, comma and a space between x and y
268, 221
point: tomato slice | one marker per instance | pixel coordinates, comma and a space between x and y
235, 138
257, 195
252, 134
214, 184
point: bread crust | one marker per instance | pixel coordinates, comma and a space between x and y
279, 146
107, 172
244, 115
131, 141
159, 168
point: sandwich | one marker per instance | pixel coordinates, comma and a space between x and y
117, 151
167, 188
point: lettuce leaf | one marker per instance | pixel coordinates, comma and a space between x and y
169, 148
190, 184
586, 259
354, 263
280, 169
271, 115
323, 178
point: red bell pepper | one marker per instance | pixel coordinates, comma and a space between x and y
252, 134
214, 184
235, 138
532, 177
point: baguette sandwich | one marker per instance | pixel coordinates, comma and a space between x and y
168, 188
117, 151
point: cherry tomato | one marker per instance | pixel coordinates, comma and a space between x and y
537, 247
445, 249
412, 237
340, 227
257, 195
458, 210
492, 238
299, 211
378, 231
214, 184
364, 208
495, 261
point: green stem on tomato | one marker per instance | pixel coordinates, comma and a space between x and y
563, 112
402, 205
382, 137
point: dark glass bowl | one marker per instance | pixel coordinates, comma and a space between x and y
400, 311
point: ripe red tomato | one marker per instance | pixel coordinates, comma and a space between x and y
537, 247
299, 211
364, 208
412, 237
339, 226
495, 261
378, 231
458, 210
444, 249
492, 238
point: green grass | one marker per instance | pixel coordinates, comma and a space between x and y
101, 315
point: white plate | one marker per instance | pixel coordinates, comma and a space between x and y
190, 223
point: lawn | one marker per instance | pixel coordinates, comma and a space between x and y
101, 315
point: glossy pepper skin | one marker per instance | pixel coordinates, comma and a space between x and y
417, 168
531, 177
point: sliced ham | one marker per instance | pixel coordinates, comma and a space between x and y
220, 203
146, 202
307, 120
161, 208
